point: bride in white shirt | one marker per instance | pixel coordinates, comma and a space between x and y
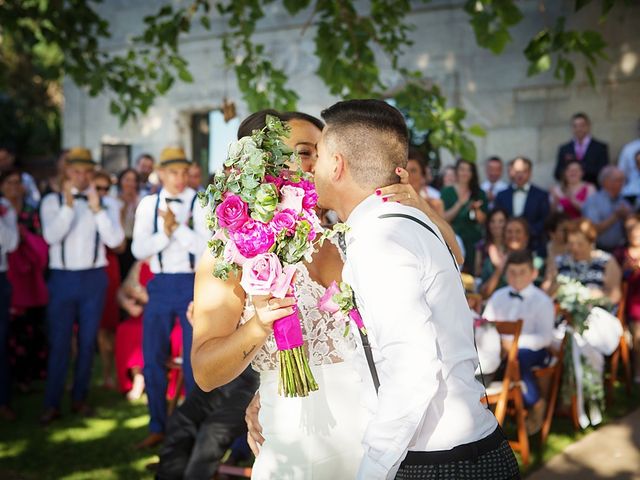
318, 436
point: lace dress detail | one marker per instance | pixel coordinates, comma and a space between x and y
323, 335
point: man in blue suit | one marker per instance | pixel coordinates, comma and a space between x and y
523, 199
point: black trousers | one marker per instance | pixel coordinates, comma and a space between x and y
201, 430
488, 459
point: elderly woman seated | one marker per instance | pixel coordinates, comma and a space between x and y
595, 269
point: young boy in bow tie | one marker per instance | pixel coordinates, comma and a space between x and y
521, 299
170, 229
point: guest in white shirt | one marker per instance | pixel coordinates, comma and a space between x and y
427, 416
629, 163
493, 184
171, 228
8, 243
77, 224
521, 299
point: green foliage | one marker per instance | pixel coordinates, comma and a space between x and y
491, 21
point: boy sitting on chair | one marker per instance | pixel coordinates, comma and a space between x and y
521, 299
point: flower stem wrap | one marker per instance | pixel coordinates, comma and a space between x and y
296, 378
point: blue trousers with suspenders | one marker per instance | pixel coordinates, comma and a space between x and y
169, 297
5, 300
76, 296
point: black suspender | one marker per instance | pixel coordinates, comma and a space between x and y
96, 242
192, 257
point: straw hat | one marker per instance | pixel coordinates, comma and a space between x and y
80, 156
173, 155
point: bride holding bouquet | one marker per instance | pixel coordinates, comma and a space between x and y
311, 415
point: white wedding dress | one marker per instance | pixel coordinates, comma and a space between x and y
319, 436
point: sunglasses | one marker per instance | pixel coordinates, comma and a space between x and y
102, 189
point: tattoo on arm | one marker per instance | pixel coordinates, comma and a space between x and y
246, 354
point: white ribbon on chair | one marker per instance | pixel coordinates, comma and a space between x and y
601, 338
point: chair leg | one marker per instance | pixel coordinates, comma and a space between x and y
551, 406
173, 403
574, 412
523, 438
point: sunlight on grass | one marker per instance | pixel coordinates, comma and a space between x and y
102, 474
136, 422
13, 448
95, 429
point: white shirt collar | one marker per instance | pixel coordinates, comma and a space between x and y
361, 210
526, 292
526, 187
184, 195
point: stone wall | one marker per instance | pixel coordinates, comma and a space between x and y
522, 115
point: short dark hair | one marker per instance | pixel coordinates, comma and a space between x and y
520, 257
494, 158
258, 120
581, 115
373, 137
524, 159
416, 155
10, 173
523, 223
145, 155
553, 221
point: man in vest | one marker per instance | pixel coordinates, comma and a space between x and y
77, 225
170, 229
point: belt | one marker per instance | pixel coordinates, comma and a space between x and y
468, 451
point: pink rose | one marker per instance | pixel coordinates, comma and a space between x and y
232, 254
232, 213
264, 275
284, 220
314, 221
291, 198
326, 303
253, 238
276, 181
310, 196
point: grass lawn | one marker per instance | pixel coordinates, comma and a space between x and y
101, 447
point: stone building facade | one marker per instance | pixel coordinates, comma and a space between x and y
521, 114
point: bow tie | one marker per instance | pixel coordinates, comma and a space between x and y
169, 200
80, 196
520, 189
515, 295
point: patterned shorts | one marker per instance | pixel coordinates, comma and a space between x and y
497, 464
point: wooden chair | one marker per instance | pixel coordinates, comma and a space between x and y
233, 471
621, 352
500, 393
552, 373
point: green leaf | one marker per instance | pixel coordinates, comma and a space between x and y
185, 75
477, 130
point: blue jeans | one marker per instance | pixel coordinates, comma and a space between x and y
169, 297
5, 301
73, 296
529, 359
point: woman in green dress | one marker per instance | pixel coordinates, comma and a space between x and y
466, 206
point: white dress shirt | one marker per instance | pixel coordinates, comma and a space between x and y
627, 163
410, 294
494, 188
184, 240
9, 237
535, 309
520, 199
74, 228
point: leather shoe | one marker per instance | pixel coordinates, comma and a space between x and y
152, 440
49, 415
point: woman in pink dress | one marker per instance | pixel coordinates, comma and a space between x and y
569, 196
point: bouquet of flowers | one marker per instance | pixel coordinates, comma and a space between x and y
262, 213
578, 300
339, 302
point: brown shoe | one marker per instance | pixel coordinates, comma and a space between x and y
50, 415
7, 414
152, 440
83, 409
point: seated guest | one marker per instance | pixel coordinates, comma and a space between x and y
523, 199
29, 295
448, 176
492, 247
595, 269
571, 193
607, 209
630, 261
593, 155
555, 228
419, 178
466, 209
493, 184
516, 237
521, 299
